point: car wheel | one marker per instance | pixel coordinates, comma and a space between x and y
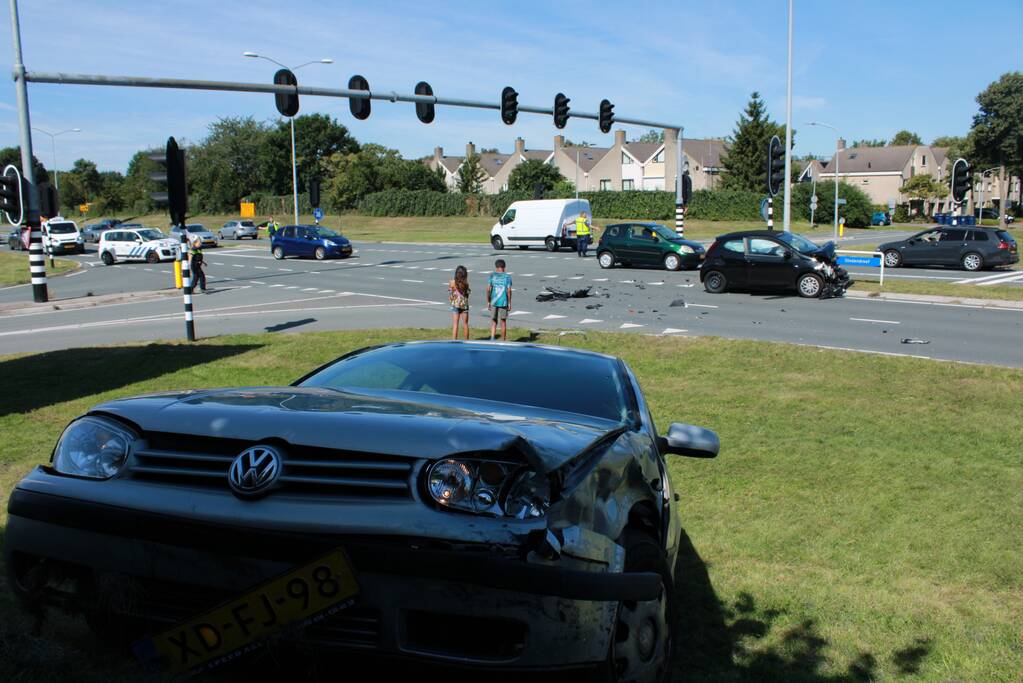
715, 282
672, 262
278, 253
107, 258
892, 259
644, 634
496, 242
606, 259
973, 261
810, 286
152, 257
550, 244
320, 253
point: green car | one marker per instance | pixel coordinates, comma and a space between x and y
647, 244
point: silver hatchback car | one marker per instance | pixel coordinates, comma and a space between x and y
236, 230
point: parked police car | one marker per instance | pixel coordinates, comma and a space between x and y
142, 244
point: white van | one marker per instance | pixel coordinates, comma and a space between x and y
539, 223
61, 236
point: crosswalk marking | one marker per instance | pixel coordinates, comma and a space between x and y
629, 326
589, 321
671, 330
552, 316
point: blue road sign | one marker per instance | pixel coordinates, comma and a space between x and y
318, 213
869, 261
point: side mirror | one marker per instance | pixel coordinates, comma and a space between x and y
690, 440
788, 254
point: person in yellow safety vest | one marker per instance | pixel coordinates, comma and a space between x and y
195, 265
582, 233
271, 227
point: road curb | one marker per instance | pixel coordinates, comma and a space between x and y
936, 299
75, 303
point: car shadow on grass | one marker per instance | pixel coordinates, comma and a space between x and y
43, 379
718, 641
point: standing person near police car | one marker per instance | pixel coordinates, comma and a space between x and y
195, 264
582, 233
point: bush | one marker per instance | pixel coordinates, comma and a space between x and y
278, 205
857, 210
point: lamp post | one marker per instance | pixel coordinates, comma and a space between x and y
837, 154
294, 167
980, 204
53, 145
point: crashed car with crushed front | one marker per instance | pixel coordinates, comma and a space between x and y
499, 505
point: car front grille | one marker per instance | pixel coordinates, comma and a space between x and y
204, 462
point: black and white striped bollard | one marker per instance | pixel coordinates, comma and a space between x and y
770, 213
680, 220
37, 263
186, 282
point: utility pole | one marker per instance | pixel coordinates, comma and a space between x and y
36, 261
787, 213
680, 209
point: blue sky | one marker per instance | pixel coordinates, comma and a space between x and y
867, 67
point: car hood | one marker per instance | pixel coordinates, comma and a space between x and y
696, 246
412, 425
339, 241
205, 234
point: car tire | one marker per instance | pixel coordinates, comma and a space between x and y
972, 262
278, 253
550, 244
672, 262
320, 253
107, 258
496, 242
152, 256
810, 286
892, 259
644, 632
606, 259
715, 282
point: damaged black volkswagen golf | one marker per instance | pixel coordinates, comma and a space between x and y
494, 505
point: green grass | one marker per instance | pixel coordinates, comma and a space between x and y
851, 529
941, 288
14, 268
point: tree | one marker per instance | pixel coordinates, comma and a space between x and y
905, 137
880, 142
317, 137
374, 168
956, 146
137, 184
12, 155
652, 135
527, 175
857, 210
922, 187
470, 175
746, 160
226, 165
997, 131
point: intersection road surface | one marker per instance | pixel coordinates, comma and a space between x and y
405, 285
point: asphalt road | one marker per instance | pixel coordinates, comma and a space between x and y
388, 285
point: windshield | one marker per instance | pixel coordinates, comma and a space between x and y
662, 232
195, 227
151, 234
555, 380
248, 224
324, 232
798, 242
61, 228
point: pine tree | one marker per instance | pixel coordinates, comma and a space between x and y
471, 175
746, 160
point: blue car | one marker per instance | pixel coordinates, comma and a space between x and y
309, 240
881, 218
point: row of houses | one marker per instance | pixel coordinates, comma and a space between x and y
623, 166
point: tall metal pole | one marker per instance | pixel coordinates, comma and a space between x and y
577, 173
838, 153
680, 210
813, 199
294, 170
787, 213
36, 263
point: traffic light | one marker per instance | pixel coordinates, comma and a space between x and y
962, 180
49, 202
424, 110
172, 162
775, 165
560, 110
287, 103
359, 106
509, 105
12, 201
687, 188
607, 116
314, 192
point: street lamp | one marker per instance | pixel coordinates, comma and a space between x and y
294, 167
53, 144
837, 151
980, 204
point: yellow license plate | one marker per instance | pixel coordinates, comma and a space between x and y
325, 585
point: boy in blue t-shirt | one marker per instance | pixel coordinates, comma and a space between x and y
499, 286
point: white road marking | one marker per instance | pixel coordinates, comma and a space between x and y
237, 265
552, 316
276, 285
519, 313
550, 276
1006, 280
79, 272
628, 282
309, 289
589, 321
996, 276
689, 305
629, 326
672, 330
416, 281
217, 263
578, 277
267, 268
286, 270
871, 320
657, 284
602, 279
690, 284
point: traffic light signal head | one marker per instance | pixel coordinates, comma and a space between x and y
359, 106
775, 165
314, 192
49, 201
509, 105
287, 103
172, 163
961, 180
424, 110
687, 188
12, 197
561, 110
607, 116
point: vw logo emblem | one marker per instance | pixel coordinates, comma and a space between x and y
254, 471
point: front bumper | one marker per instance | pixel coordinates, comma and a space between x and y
541, 613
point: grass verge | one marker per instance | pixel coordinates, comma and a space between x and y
942, 288
14, 268
850, 530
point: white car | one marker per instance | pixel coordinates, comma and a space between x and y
546, 223
142, 244
61, 236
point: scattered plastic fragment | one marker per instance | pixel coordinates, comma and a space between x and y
910, 340
678, 303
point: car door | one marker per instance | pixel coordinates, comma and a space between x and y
766, 265
921, 249
951, 246
645, 246
732, 255
285, 238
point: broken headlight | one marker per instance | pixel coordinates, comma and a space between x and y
488, 487
92, 447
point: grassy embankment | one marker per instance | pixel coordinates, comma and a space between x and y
14, 268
